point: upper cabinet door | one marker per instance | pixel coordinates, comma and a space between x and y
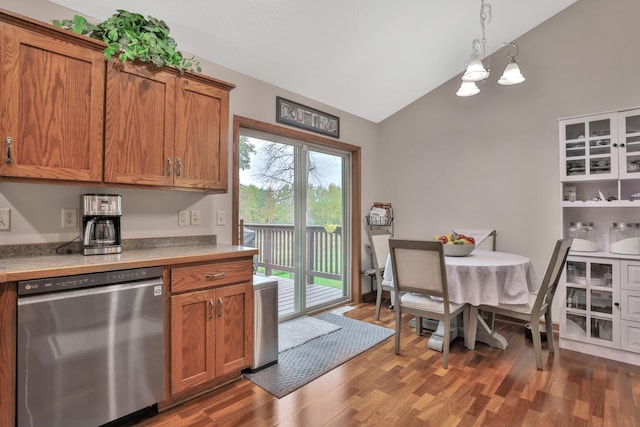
51, 104
589, 148
202, 126
139, 125
629, 134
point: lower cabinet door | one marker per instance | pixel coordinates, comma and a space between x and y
211, 334
234, 328
193, 330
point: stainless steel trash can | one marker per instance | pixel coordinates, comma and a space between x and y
265, 329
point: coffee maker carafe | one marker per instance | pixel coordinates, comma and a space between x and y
101, 215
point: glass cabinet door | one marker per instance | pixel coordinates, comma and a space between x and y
589, 148
591, 293
629, 150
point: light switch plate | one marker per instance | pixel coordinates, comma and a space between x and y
5, 219
221, 218
183, 218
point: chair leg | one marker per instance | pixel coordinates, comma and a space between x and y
537, 345
378, 302
445, 346
418, 325
549, 324
398, 327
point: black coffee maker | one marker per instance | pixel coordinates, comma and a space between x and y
101, 215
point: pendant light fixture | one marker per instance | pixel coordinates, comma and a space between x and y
477, 71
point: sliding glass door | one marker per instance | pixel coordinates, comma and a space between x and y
293, 207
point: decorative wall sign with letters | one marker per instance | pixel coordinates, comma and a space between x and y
308, 118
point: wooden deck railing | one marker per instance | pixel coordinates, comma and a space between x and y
276, 245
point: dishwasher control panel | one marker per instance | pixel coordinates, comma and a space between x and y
78, 281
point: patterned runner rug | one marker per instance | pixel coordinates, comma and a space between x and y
304, 363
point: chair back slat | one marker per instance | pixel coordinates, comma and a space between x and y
418, 267
552, 275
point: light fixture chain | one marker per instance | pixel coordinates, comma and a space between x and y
485, 19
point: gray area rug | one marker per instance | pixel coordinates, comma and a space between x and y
301, 365
300, 330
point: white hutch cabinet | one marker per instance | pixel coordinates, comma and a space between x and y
600, 290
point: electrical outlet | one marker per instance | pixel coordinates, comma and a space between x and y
69, 218
5, 219
220, 218
195, 217
183, 218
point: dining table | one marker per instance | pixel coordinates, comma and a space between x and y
482, 278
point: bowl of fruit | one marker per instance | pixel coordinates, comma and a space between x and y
456, 244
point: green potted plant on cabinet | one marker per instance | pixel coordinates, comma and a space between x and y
132, 37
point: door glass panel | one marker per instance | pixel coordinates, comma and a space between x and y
601, 275
602, 329
575, 149
576, 298
600, 127
291, 200
325, 219
599, 146
574, 131
632, 124
600, 165
266, 207
575, 167
577, 272
576, 325
601, 302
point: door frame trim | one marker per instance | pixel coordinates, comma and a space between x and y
355, 181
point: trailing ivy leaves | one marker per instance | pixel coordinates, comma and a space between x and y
130, 37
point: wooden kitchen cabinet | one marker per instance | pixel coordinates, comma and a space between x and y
212, 324
140, 125
51, 104
166, 129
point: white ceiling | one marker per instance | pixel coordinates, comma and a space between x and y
370, 58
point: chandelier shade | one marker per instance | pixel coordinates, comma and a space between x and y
511, 74
468, 89
477, 69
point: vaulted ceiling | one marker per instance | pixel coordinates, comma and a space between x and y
370, 58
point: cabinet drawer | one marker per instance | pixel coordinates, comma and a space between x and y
630, 305
630, 339
212, 274
630, 276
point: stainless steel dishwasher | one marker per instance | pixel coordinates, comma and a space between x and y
90, 347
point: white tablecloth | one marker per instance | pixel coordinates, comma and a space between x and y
485, 277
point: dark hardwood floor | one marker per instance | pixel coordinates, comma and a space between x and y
484, 387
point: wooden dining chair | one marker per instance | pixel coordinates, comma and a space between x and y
420, 286
379, 244
540, 303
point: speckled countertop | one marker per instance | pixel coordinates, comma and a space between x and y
16, 268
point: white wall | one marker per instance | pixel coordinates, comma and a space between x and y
36, 209
491, 161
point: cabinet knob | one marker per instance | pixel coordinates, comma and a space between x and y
614, 144
622, 144
179, 161
617, 304
212, 309
210, 276
169, 166
220, 304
